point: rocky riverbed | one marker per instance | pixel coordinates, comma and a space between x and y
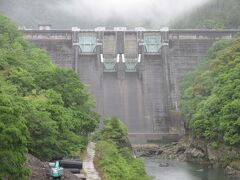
190, 150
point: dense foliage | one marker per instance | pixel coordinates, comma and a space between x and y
215, 14
44, 110
210, 98
114, 154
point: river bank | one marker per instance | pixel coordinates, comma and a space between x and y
194, 151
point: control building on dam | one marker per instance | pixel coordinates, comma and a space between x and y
132, 74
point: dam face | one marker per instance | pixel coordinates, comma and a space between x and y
132, 74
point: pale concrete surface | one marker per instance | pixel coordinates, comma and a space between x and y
88, 166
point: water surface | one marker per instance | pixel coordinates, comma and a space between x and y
183, 171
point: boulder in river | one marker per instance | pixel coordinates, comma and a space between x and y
163, 164
232, 172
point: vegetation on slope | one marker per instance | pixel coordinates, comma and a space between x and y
210, 96
114, 154
216, 14
44, 110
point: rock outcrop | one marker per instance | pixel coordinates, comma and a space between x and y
197, 151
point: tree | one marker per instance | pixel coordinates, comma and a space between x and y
13, 135
44, 110
115, 132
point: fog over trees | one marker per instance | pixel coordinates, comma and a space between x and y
92, 13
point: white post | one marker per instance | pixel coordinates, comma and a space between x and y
118, 58
101, 57
123, 58
139, 58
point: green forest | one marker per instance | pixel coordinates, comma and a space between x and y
210, 95
44, 110
215, 14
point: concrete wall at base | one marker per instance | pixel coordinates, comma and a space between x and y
145, 138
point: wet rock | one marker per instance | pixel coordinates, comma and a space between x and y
163, 164
158, 152
144, 154
152, 151
196, 153
155, 152
232, 172
181, 150
212, 154
139, 154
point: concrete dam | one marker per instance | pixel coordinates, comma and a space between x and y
132, 74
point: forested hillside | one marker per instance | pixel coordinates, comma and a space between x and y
44, 110
216, 14
210, 99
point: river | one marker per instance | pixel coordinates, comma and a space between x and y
183, 171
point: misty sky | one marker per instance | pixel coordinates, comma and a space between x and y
128, 10
93, 13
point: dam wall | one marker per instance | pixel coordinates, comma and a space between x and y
132, 74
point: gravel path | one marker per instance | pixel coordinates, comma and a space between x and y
88, 166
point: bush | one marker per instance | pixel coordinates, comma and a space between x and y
114, 131
235, 165
114, 154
